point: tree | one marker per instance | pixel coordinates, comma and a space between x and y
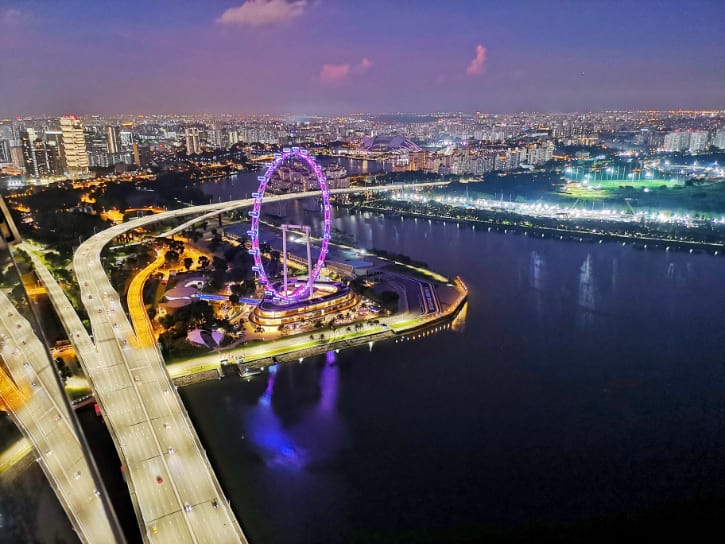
171, 256
215, 242
234, 299
63, 369
188, 261
203, 261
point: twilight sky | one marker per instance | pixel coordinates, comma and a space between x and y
337, 56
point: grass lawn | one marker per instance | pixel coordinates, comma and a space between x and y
635, 183
615, 187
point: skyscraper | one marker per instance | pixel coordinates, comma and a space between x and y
112, 139
677, 141
126, 138
74, 146
5, 152
698, 140
192, 141
41, 160
719, 139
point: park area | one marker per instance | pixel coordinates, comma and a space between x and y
605, 188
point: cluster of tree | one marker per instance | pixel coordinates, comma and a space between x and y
171, 256
59, 228
197, 314
242, 289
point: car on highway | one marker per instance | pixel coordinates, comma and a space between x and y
159, 479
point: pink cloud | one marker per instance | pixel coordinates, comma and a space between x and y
334, 73
477, 65
263, 12
365, 65
337, 73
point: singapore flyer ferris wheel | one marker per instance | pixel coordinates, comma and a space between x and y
299, 291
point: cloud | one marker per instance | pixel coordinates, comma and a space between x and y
263, 12
365, 65
333, 74
477, 65
10, 15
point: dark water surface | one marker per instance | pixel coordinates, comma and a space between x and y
584, 398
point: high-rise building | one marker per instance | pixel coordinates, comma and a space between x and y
136, 155
5, 152
719, 139
113, 140
698, 140
192, 141
16, 153
54, 143
216, 138
74, 146
126, 138
41, 159
676, 141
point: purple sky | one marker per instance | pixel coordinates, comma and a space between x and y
337, 56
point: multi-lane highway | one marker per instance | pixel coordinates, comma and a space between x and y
173, 487
31, 392
174, 491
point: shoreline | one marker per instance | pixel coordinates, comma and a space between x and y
257, 363
562, 234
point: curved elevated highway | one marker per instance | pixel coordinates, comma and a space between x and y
175, 492
173, 489
31, 392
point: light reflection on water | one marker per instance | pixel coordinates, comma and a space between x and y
499, 421
317, 435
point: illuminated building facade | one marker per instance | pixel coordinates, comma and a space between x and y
74, 146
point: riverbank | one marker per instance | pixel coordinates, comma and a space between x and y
521, 224
296, 348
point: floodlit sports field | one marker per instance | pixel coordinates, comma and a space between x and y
603, 188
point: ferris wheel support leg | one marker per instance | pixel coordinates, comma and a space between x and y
309, 266
284, 257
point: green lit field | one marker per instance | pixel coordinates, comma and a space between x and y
610, 184
605, 188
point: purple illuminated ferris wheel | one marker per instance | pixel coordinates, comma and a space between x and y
300, 291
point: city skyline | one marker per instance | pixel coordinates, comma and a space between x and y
373, 57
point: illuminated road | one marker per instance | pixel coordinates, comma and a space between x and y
214, 209
173, 487
137, 309
165, 467
44, 418
16, 452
